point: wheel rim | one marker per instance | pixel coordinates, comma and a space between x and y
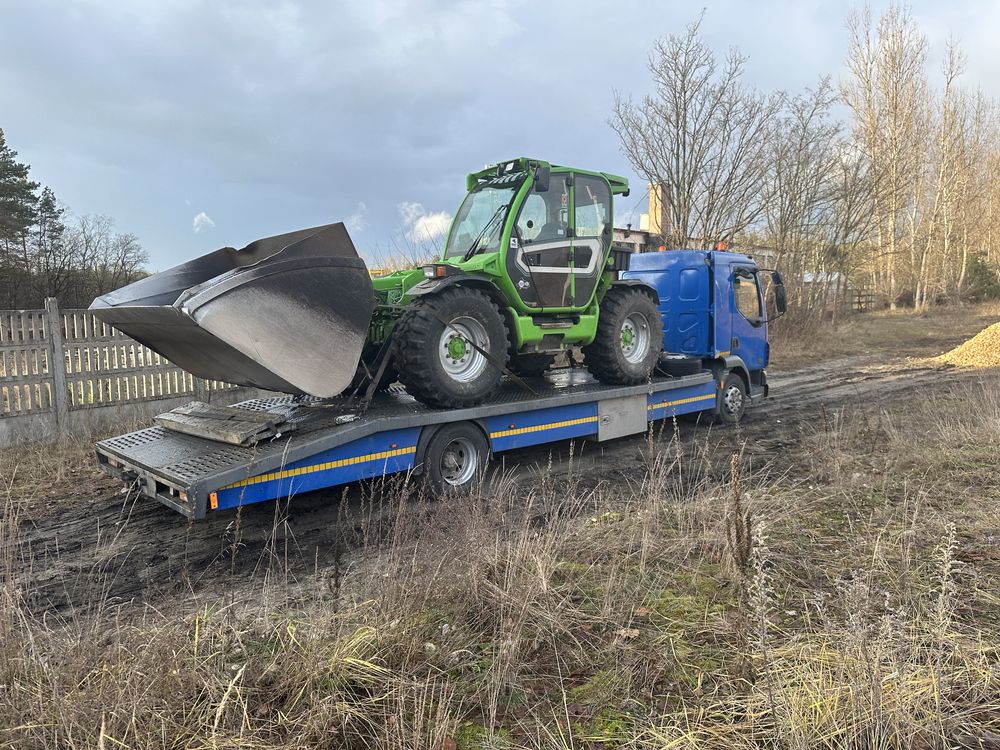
459, 462
460, 360
635, 338
732, 400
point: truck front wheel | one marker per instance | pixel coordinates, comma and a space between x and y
629, 338
732, 399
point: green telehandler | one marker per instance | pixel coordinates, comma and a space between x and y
528, 270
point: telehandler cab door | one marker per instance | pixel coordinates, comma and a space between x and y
591, 235
549, 262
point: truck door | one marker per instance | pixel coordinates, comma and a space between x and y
541, 246
748, 326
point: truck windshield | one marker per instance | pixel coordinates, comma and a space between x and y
480, 219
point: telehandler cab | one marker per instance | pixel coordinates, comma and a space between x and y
527, 270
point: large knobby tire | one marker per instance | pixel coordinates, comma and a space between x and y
629, 338
434, 358
455, 458
531, 365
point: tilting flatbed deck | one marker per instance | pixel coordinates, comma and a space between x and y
332, 443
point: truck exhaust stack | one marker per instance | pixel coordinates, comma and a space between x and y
286, 313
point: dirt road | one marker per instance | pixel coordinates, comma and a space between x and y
108, 549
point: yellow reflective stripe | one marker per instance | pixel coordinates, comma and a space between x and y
680, 401
321, 467
538, 427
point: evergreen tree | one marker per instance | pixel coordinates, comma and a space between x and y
18, 201
52, 263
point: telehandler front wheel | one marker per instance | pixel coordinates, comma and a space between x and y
440, 345
629, 338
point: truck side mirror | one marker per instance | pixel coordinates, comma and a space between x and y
780, 296
776, 279
541, 179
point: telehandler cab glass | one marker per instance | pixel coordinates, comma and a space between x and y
560, 238
480, 218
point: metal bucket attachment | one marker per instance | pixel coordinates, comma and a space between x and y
286, 313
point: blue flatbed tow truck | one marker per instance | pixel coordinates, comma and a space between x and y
716, 351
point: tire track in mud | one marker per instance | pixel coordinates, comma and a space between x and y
114, 550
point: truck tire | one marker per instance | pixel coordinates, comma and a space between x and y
731, 403
629, 338
678, 366
433, 356
530, 365
455, 457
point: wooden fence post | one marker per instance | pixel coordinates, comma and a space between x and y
57, 365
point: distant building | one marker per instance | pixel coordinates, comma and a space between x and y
648, 238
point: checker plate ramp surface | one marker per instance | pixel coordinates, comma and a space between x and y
188, 461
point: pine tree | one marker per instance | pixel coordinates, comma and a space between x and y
52, 265
17, 214
18, 201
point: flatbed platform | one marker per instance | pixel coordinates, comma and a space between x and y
334, 443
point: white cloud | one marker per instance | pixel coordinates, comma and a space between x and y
422, 226
356, 221
410, 212
430, 227
202, 220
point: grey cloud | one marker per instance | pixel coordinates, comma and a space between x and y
282, 115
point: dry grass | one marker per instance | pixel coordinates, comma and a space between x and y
889, 332
697, 606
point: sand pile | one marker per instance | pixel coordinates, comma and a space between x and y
982, 350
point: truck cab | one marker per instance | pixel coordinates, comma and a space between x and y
713, 311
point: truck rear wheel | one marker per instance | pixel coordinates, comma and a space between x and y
435, 356
455, 457
629, 338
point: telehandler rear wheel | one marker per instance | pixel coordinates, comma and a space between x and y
629, 338
435, 358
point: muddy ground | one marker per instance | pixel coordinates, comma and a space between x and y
93, 546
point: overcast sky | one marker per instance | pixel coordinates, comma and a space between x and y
202, 124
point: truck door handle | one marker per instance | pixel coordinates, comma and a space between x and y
734, 344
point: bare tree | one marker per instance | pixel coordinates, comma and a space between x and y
703, 137
819, 200
888, 95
